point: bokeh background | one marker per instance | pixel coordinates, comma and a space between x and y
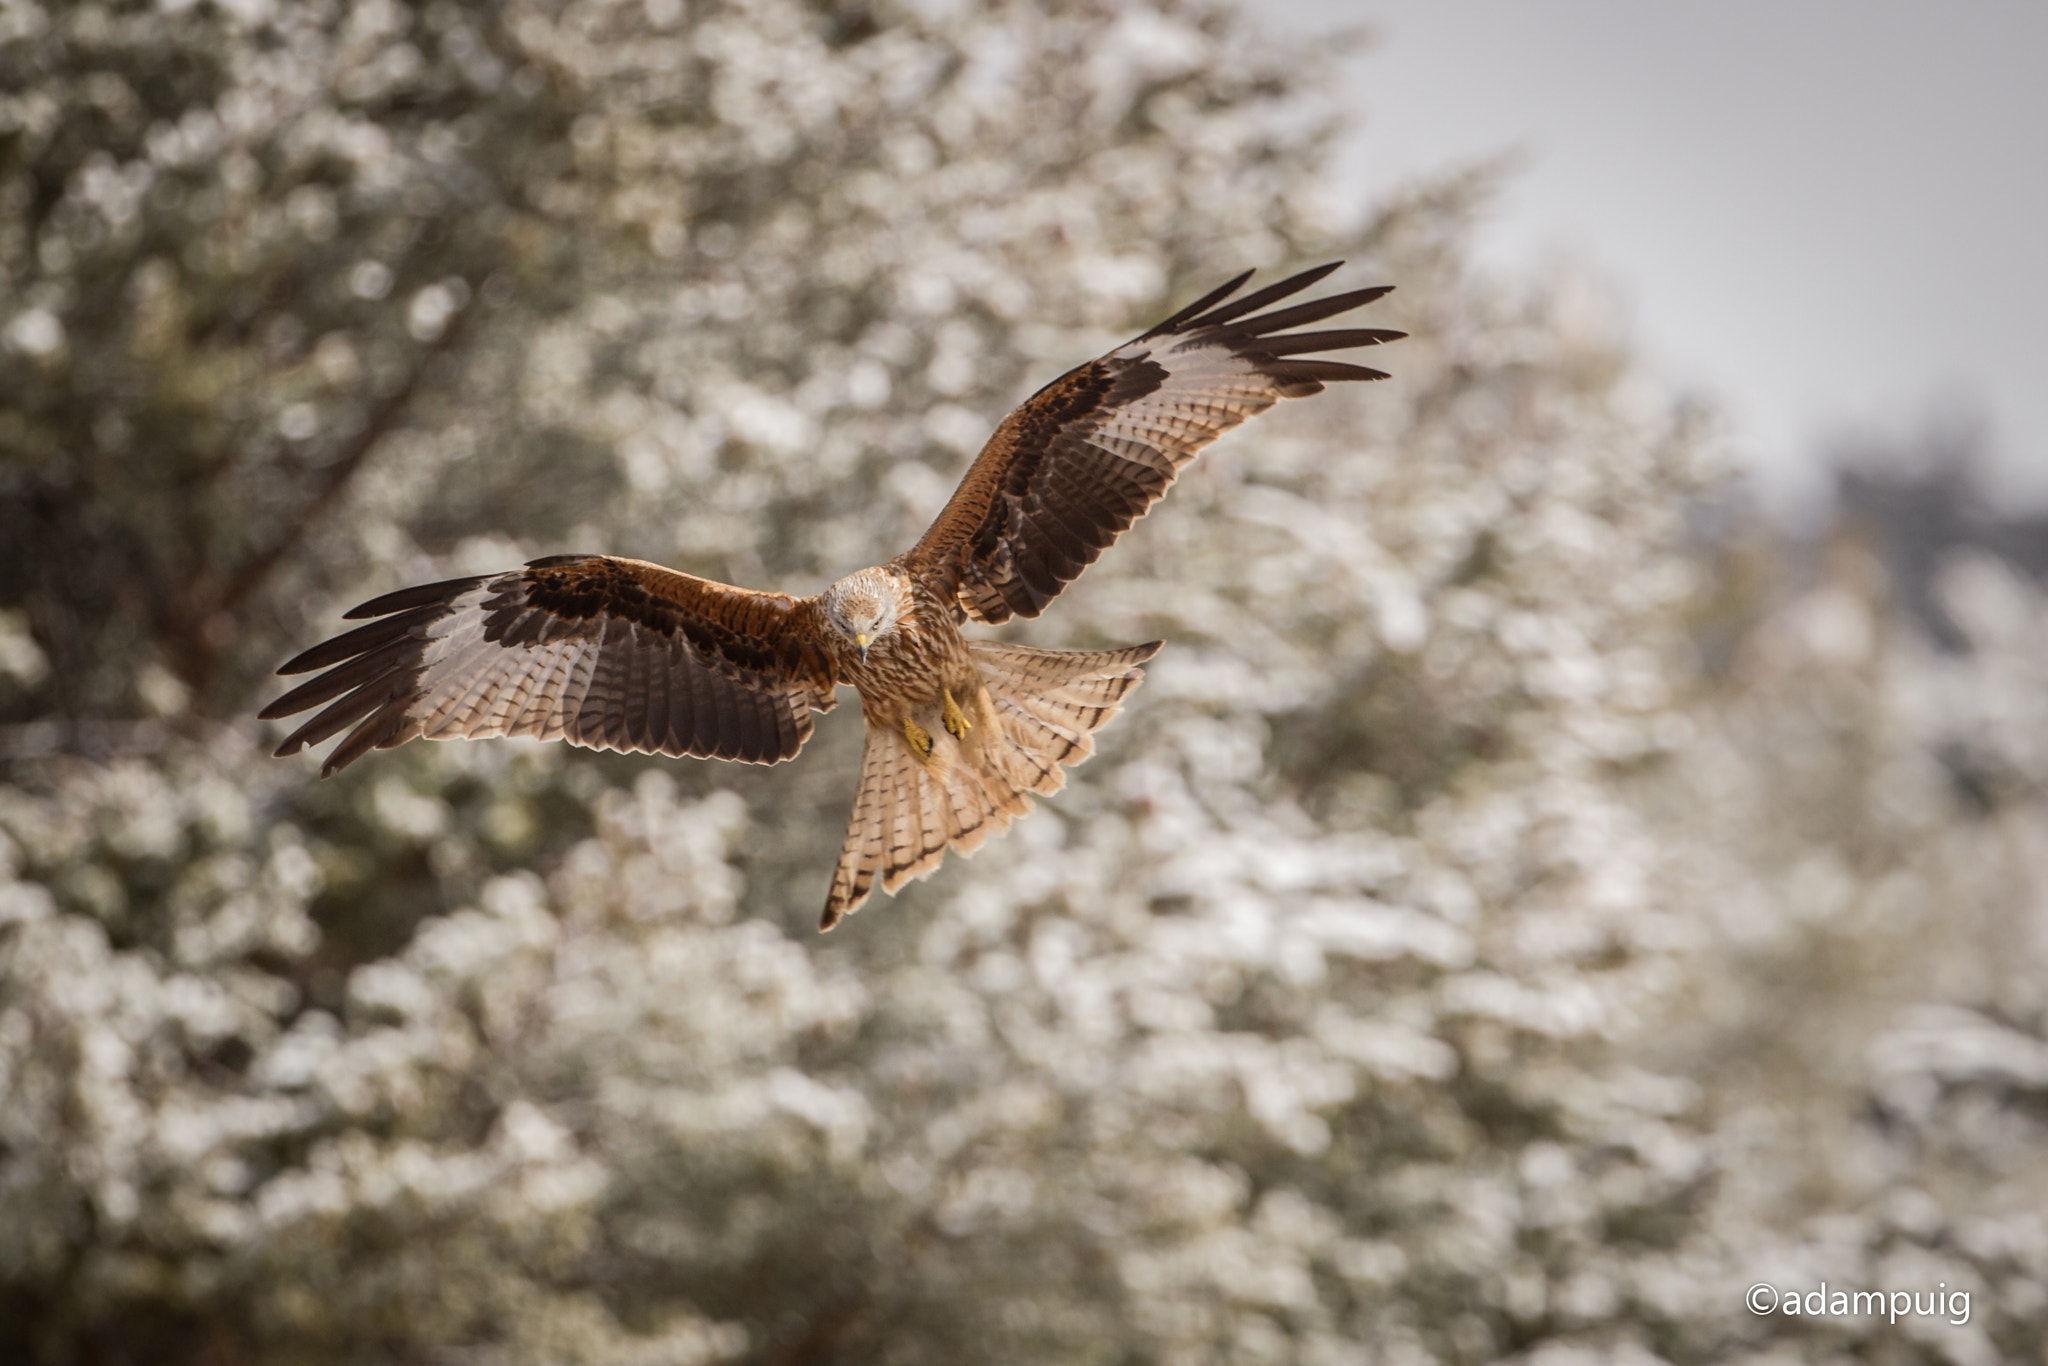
1535, 896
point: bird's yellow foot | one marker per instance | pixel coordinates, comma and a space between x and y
956, 720
920, 738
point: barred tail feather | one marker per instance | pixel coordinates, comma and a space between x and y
1036, 714
909, 811
1052, 701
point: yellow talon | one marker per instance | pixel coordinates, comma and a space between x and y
920, 739
956, 720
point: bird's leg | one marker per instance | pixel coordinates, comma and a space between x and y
920, 738
956, 720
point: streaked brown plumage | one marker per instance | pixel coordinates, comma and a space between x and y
621, 654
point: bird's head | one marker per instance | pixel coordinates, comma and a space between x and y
864, 607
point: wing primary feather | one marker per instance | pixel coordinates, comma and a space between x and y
1299, 342
425, 594
349, 644
356, 672
1315, 310
1312, 371
1214, 296
375, 733
1293, 284
338, 717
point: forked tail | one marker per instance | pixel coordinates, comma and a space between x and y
1036, 714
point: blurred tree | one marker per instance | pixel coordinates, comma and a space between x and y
241, 246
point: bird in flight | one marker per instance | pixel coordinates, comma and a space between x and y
612, 653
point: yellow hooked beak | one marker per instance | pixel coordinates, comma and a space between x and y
860, 641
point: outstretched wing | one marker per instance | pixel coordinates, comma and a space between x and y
1084, 457
599, 651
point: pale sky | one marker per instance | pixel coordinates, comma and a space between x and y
1831, 215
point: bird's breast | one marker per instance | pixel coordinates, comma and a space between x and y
911, 666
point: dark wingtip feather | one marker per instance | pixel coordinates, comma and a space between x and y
1315, 310
1298, 343
340, 715
421, 596
353, 673
1213, 297
1273, 293
347, 645
284, 706
1319, 371
376, 732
